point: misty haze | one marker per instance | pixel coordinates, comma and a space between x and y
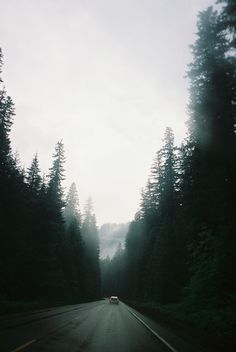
111, 236
117, 175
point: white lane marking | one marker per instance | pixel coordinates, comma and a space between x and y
154, 332
23, 346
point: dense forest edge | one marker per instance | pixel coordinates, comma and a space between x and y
49, 252
180, 253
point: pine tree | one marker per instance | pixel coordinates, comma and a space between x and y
34, 180
162, 265
226, 22
154, 265
11, 209
71, 210
135, 259
54, 266
90, 237
209, 164
6, 120
55, 193
56, 176
75, 253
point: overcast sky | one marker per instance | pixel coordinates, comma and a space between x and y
107, 77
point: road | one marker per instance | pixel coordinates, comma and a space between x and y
90, 327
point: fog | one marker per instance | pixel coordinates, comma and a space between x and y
107, 77
111, 236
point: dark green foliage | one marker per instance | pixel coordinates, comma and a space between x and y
211, 166
6, 120
227, 20
75, 261
113, 273
153, 241
135, 248
42, 256
91, 241
56, 176
71, 210
52, 239
181, 248
180, 252
34, 179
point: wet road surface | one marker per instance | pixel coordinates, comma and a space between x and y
90, 327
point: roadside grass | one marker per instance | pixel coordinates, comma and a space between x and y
221, 320
213, 318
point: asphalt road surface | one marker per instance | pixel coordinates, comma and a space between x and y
90, 327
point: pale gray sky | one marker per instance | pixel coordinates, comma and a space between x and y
107, 76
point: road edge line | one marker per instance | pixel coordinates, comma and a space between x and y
153, 332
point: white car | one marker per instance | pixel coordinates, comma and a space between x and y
114, 299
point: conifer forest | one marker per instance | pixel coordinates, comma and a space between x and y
180, 250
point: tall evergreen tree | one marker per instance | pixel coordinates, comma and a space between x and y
34, 179
71, 210
209, 164
39, 250
163, 255
90, 237
181, 246
54, 236
56, 176
75, 252
11, 202
6, 119
155, 259
226, 22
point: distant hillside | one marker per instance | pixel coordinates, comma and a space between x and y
110, 235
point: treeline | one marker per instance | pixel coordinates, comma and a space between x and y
180, 250
48, 251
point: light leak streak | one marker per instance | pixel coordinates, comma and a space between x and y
23, 346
